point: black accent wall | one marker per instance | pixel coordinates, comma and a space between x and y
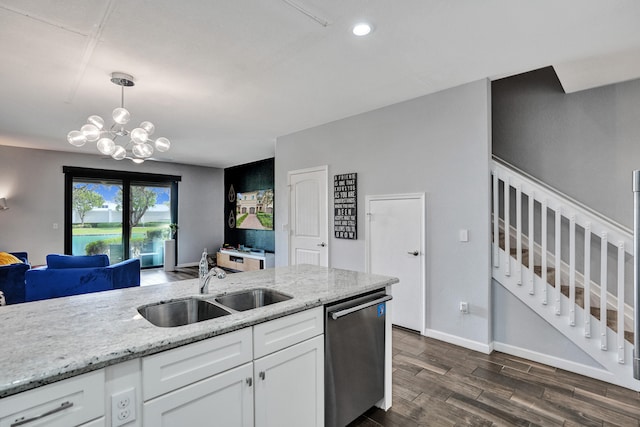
251, 176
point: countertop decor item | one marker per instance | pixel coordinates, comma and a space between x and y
137, 145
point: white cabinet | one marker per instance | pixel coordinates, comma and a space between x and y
244, 261
278, 366
271, 374
189, 385
65, 403
289, 370
225, 399
100, 422
289, 386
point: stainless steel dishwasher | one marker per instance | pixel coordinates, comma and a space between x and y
354, 357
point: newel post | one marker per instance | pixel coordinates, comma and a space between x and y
636, 272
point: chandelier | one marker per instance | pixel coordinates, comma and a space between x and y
136, 144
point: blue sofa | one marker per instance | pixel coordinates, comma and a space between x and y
12, 278
67, 275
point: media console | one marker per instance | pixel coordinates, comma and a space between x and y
245, 260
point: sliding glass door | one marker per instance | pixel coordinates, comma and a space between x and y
95, 221
149, 219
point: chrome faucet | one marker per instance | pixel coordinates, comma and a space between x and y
204, 282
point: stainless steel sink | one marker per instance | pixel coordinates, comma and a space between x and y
254, 298
181, 312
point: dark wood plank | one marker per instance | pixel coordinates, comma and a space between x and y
456, 386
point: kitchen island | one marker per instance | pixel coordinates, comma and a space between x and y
52, 340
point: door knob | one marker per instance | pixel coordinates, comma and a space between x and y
414, 253
323, 244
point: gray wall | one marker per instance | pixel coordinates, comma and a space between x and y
585, 144
517, 325
33, 183
438, 144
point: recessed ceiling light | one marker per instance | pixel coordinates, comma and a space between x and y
361, 29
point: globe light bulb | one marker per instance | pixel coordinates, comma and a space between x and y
137, 161
147, 149
162, 144
119, 153
148, 126
76, 138
142, 150
106, 146
121, 116
97, 121
139, 136
91, 132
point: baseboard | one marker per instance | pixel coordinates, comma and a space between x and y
567, 365
187, 264
462, 342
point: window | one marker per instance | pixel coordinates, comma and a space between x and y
95, 223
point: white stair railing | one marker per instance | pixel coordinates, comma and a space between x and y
539, 203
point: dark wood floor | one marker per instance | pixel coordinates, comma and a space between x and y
156, 276
439, 384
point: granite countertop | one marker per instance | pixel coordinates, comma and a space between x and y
46, 341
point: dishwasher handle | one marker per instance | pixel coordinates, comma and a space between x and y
335, 315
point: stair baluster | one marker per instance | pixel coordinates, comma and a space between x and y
569, 280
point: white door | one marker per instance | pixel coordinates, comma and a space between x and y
289, 389
309, 230
395, 247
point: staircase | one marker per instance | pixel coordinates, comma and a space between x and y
569, 264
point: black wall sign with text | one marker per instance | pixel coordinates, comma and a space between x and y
345, 208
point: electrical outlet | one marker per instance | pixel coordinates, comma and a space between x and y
464, 307
123, 407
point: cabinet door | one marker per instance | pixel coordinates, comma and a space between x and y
251, 264
290, 386
222, 400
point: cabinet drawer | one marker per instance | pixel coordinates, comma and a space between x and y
284, 332
223, 260
172, 369
68, 403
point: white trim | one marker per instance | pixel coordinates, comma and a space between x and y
423, 258
187, 264
567, 365
459, 341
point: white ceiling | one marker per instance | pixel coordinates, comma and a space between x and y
222, 79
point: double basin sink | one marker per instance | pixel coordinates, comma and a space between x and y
168, 314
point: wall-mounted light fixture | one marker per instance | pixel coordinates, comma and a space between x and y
3, 204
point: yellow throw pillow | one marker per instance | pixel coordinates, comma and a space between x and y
7, 258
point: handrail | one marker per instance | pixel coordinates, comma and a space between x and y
601, 217
556, 199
